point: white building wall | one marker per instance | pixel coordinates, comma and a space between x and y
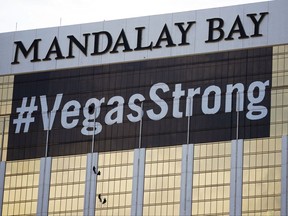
274, 29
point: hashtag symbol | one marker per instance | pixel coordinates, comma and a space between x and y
25, 119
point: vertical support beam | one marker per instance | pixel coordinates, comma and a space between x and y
236, 177
186, 179
284, 178
44, 186
90, 185
138, 182
2, 181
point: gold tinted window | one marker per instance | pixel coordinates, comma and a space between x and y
21, 187
67, 186
6, 94
162, 181
211, 179
114, 185
262, 177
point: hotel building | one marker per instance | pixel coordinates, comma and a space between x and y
175, 114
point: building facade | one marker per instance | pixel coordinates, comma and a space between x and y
176, 114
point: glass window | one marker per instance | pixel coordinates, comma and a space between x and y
162, 181
21, 187
67, 185
261, 178
211, 179
114, 185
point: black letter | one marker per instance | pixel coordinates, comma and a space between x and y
240, 30
78, 44
212, 29
19, 45
184, 32
139, 40
96, 43
125, 43
168, 38
57, 51
257, 23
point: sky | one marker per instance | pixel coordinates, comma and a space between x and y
17, 15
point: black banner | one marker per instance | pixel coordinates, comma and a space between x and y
217, 97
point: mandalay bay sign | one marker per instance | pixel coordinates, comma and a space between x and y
120, 43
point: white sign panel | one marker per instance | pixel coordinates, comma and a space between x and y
177, 34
